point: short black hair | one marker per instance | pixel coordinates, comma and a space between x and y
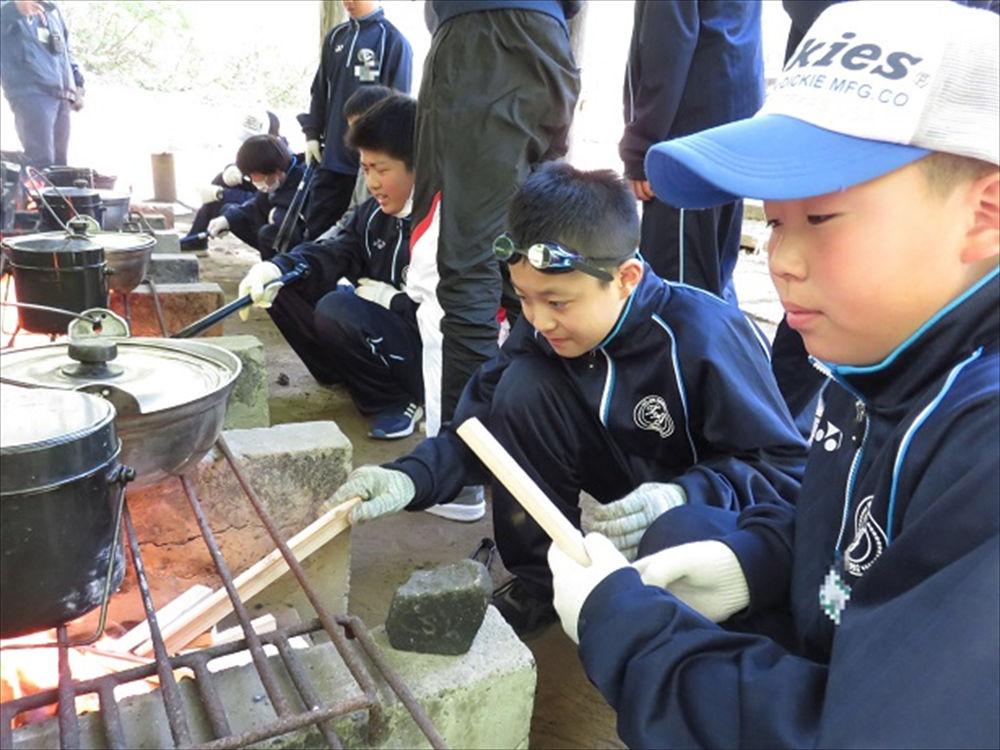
365, 98
387, 127
263, 153
591, 213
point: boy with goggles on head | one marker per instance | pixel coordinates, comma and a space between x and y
642, 393
870, 609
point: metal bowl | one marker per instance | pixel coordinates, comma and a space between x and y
128, 255
170, 395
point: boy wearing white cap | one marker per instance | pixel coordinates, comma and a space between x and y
867, 613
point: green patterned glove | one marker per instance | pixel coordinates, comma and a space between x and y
625, 521
382, 491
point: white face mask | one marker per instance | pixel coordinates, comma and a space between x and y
265, 187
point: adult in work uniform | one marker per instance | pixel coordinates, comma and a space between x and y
497, 98
365, 49
691, 66
39, 78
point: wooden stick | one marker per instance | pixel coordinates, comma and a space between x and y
253, 580
524, 489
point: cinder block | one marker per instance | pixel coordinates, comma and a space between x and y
173, 268
248, 403
150, 209
167, 242
483, 698
182, 304
439, 611
292, 468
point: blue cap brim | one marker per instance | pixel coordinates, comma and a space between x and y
771, 157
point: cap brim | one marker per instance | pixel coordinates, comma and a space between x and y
770, 157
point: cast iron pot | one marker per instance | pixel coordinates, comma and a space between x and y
60, 494
57, 269
60, 204
114, 209
170, 394
63, 176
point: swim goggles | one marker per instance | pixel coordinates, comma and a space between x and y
546, 255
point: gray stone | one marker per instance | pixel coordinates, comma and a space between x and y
173, 268
439, 611
248, 403
483, 698
167, 242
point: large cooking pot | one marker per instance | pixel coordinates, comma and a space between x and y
60, 204
63, 176
114, 209
128, 255
57, 269
170, 394
60, 496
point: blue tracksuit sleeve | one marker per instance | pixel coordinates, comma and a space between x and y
313, 123
329, 260
399, 60
655, 77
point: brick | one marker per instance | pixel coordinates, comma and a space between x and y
182, 305
439, 611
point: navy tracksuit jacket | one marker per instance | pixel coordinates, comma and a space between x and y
679, 391
902, 492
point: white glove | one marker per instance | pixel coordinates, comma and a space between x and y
256, 284
572, 582
209, 193
314, 153
218, 226
625, 521
232, 176
704, 575
382, 491
378, 292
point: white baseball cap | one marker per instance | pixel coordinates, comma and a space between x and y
873, 86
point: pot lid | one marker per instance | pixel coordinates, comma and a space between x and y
136, 375
69, 192
113, 195
39, 416
52, 242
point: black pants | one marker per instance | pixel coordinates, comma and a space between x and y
42, 124
329, 196
560, 442
341, 337
698, 247
497, 98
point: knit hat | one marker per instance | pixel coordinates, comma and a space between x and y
873, 86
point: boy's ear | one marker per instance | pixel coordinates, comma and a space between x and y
983, 237
629, 275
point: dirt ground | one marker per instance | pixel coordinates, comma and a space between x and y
569, 712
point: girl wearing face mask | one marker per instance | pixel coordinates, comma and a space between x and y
276, 173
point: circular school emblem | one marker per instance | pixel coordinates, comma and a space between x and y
651, 414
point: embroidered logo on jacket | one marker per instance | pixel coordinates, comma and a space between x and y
869, 540
830, 436
651, 414
368, 70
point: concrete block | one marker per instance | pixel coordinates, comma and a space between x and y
182, 305
248, 403
439, 611
167, 242
156, 211
173, 268
293, 469
482, 699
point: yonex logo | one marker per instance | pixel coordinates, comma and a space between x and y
830, 436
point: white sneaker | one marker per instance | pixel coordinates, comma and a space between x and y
469, 505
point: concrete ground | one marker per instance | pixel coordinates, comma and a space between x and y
569, 712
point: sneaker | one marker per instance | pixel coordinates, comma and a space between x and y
524, 611
397, 423
469, 505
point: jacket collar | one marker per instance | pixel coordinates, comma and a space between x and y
967, 323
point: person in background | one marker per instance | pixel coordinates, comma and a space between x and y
363, 336
866, 613
643, 394
275, 174
41, 81
366, 49
691, 66
230, 186
496, 100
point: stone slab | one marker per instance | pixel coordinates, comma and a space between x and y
248, 404
481, 699
182, 305
439, 611
293, 469
167, 242
173, 268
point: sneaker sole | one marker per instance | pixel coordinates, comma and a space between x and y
454, 512
392, 435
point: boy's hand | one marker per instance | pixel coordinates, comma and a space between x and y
257, 283
209, 193
378, 292
625, 521
572, 582
382, 491
704, 575
232, 175
218, 226
314, 153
